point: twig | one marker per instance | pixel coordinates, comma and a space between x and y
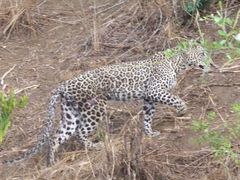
41, 3
101, 6
224, 72
214, 105
96, 45
110, 45
9, 28
29, 87
113, 164
90, 163
170, 116
5, 48
223, 85
231, 67
197, 160
109, 20
115, 5
174, 4
158, 27
66, 22
183, 118
5, 74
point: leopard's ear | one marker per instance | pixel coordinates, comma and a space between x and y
185, 55
195, 44
191, 44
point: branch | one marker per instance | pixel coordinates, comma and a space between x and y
29, 87
5, 74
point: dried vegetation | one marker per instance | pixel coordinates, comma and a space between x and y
20, 16
117, 31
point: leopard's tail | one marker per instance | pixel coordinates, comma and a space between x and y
44, 137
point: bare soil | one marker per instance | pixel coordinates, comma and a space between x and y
60, 50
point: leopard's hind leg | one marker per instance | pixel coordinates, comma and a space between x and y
148, 111
68, 125
92, 112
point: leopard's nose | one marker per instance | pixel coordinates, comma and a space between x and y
201, 66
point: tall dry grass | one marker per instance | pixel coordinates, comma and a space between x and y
18, 15
121, 31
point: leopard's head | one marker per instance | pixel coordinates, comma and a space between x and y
197, 58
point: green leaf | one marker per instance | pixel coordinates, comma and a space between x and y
22, 102
199, 125
236, 107
7, 105
217, 45
189, 8
217, 19
229, 57
238, 51
229, 21
4, 125
211, 115
222, 42
222, 33
169, 53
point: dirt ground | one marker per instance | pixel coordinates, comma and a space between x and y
60, 50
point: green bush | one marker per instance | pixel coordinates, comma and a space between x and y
7, 104
220, 140
192, 6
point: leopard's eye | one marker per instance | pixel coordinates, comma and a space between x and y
202, 54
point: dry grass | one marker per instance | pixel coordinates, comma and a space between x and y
131, 156
19, 15
127, 29
114, 31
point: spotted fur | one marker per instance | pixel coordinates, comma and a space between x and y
83, 98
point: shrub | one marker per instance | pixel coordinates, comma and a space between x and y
7, 104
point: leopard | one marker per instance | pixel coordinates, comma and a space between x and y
83, 99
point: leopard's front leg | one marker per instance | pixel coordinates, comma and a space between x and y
162, 97
167, 98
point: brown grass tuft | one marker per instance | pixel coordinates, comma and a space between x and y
86, 34
16, 15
